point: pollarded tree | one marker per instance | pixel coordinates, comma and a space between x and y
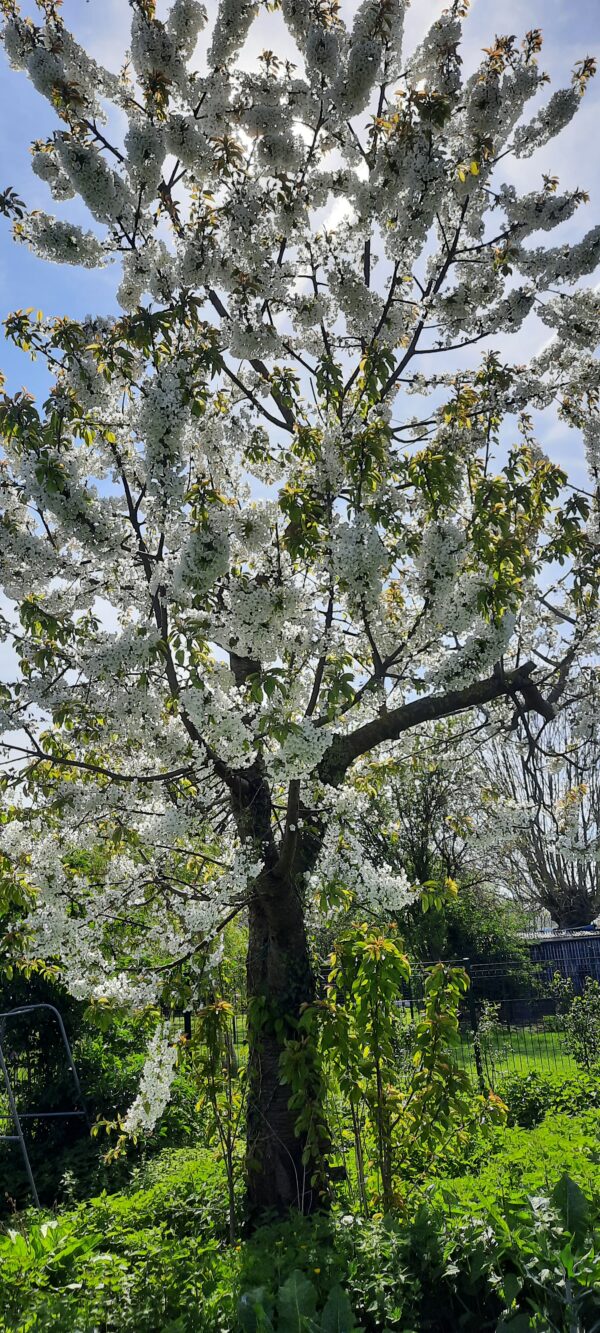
251, 535
540, 813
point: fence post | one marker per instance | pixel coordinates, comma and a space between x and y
473, 1021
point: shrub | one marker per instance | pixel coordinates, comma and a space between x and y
67, 1162
529, 1097
515, 1247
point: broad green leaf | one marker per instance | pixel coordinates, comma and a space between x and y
252, 1315
296, 1303
572, 1206
337, 1315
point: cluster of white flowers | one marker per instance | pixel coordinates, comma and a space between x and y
46, 167
153, 49
205, 555
150, 269
127, 651
361, 72
146, 148
45, 70
184, 24
301, 750
344, 862
260, 618
361, 307
17, 42
281, 152
248, 338
185, 140
360, 560
443, 546
219, 715
121, 990
371, 16
231, 28
435, 65
509, 314
60, 242
162, 421
155, 1084
591, 438
539, 211
482, 648
56, 62
322, 52
101, 188
548, 122
562, 263
575, 318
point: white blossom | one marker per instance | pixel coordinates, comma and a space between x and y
155, 1084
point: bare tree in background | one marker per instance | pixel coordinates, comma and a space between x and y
542, 819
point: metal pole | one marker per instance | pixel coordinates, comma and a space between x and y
72, 1068
473, 1019
29, 1009
17, 1124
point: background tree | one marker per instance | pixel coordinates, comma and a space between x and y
420, 818
251, 535
541, 813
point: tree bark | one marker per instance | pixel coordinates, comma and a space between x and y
280, 980
571, 912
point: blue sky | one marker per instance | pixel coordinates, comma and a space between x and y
571, 30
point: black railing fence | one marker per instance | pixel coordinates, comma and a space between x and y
511, 1022
511, 1019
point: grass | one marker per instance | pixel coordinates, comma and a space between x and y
523, 1050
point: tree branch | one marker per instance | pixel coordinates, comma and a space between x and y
390, 725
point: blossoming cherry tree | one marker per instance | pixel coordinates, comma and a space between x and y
287, 503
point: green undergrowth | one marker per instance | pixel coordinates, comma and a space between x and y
515, 1245
531, 1096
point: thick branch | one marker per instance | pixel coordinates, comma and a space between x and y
390, 725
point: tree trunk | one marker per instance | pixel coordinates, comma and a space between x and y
280, 981
575, 911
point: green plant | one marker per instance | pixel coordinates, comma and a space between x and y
488, 1038
294, 1309
518, 1241
578, 1016
396, 1119
529, 1097
221, 1083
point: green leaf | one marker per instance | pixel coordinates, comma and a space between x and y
511, 1286
296, 1302
337, 1316
252, 1315
571, 1205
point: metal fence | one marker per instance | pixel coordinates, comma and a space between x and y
510, 1023
574, 954
35, 1058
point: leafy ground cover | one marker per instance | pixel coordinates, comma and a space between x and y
514, 1244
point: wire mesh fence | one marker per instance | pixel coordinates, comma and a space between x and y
511, 1022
